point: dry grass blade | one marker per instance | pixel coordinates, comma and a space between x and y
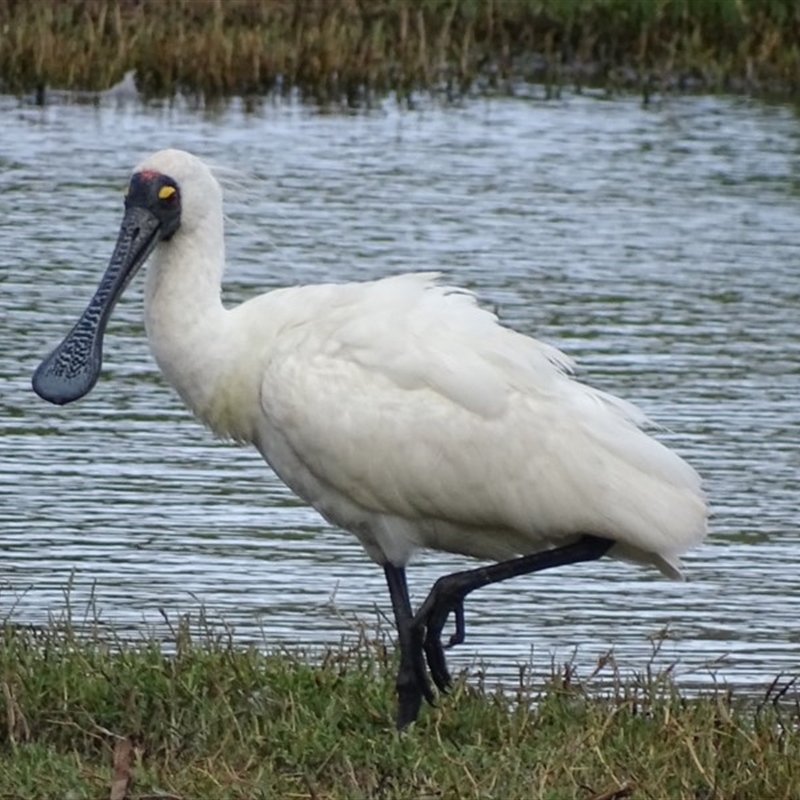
158, 797
626, 790
122, 769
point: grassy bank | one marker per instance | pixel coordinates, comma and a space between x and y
350, 50
84, 718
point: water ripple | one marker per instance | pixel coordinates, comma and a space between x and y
657, 246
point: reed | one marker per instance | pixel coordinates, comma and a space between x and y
85, 715
353, 50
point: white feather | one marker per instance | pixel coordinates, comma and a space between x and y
405, 413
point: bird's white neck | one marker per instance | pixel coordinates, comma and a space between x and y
184, 315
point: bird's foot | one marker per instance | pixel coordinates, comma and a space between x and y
412, 682
445, 598
421, 634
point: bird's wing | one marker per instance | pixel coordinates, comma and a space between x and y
404, 398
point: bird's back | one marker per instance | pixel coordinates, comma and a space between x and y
408, 415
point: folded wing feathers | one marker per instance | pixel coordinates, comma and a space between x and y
421, 335
444, 341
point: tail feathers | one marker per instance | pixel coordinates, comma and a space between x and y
668, 565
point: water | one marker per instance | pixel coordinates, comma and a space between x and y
657, 246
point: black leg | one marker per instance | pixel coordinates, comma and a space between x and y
448, 593
412, 683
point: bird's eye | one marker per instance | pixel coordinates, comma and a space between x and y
167, 193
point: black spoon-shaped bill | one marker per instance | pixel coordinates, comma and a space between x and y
72, 369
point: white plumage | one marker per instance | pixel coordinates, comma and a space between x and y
405, 413
398, 408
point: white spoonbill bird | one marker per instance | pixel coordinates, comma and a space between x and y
398, 408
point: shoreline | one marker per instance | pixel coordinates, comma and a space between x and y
81, 713
349, 51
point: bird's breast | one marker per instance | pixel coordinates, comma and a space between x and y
230, 411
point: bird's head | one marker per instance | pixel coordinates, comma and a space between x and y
169, 192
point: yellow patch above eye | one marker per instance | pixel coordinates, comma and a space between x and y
166, 191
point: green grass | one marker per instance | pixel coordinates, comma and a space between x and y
352, 50
211, 719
